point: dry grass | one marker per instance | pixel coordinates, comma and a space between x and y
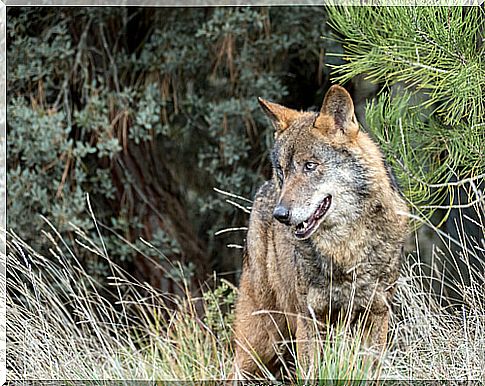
61, 326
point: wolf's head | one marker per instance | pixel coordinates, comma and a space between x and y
324, 165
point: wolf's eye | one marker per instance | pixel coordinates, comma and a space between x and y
309, 166
279, 174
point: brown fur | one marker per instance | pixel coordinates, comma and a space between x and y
356, 248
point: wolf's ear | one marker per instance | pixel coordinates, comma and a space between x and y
339, 106
281, 116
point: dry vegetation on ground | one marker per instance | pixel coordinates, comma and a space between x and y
61, 326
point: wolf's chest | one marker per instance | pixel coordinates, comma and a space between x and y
325, 286
341, 296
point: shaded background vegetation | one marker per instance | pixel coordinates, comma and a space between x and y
148, 110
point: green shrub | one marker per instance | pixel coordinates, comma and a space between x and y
148, 110
432, 123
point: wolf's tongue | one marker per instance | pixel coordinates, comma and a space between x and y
322, 209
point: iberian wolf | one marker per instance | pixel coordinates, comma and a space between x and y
325, 235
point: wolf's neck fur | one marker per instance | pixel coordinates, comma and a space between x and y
351, 243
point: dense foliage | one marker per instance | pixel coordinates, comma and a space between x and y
148, 110
432, 124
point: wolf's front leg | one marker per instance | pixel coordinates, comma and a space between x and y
375, 338
375, 330
308, 346
256, 332
376, 321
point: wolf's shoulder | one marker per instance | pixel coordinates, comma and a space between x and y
264, 201
265, 194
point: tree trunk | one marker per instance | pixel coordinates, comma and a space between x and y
151, 192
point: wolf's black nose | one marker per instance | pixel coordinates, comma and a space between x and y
282, 214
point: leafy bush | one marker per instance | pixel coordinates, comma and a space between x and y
432, 123
147, 110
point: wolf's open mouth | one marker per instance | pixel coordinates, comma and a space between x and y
306, 228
